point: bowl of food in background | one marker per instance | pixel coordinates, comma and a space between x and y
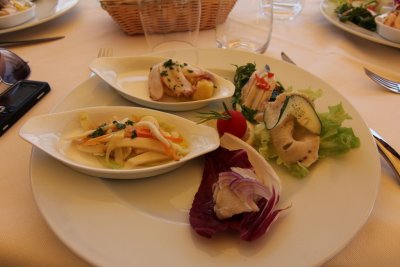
388, 26
15, 12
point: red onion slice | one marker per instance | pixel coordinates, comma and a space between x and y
250, 225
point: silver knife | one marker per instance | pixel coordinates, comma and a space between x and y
388, 152
30, 41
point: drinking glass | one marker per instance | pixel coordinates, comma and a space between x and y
287, 9
248, 25
170, 24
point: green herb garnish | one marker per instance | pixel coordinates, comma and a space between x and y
169, 63
248, 113
98, 132
242, 76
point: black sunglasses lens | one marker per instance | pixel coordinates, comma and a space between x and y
12, 67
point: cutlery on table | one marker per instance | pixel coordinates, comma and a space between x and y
105, 52
286, 58
29, 41
387, 151
386, 83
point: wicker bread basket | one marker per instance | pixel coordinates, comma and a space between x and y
126, 14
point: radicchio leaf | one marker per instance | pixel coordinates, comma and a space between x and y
250, 225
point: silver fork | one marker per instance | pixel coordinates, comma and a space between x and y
105, 52
386, 83
388, 152
287, 58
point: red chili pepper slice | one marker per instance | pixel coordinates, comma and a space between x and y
262, 83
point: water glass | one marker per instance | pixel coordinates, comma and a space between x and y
248, 26
170, 24
287, 9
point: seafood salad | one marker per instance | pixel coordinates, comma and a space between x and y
181, 81
130, 142
282, 124
289, 130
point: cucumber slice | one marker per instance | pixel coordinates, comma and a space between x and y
299, 107
273, 113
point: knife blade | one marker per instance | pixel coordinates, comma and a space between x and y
29, 41
388, 152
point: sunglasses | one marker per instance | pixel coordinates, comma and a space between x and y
12, 69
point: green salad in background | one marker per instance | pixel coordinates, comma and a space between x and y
362, 12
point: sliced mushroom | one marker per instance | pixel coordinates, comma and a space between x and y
294, 143
156, 87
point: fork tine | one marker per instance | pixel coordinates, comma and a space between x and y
100, 53
109, 52
105, 52
385, 81
391, 85
378, 77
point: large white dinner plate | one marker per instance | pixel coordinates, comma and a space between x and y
145, 222
45, 10
129, 77
328, 11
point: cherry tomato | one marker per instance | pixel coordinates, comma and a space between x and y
236, 125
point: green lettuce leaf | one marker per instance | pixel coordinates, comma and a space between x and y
335, 139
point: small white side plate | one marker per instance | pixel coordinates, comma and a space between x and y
45, 10
18, 17
129, 76
48, 133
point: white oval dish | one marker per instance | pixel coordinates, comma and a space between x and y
49, 133
18, 17
44, 11
387, 32
129, 77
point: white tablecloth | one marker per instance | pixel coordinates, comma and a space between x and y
315, 44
